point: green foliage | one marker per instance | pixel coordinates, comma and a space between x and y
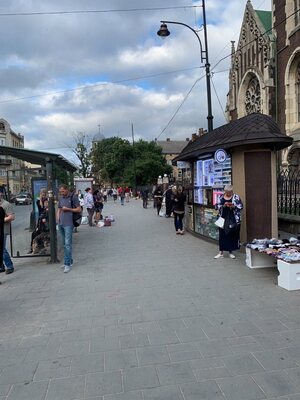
119, 162
82, 151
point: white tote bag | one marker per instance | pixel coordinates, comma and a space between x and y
220, 222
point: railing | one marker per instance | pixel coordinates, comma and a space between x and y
5, 161
288, 192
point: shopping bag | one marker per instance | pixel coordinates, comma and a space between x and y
220, 222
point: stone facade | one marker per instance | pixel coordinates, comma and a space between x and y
16, 178
252, 73
286, 22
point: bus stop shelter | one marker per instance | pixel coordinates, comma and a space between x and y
47, 160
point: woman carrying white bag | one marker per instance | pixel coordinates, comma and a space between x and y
229, 222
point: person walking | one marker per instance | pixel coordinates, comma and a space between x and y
145, 193
158, 197
7, 265
127, 194
98, 202
179, 199
169, 201
230, 207
115, 194
67, 205
89, 203
122, 195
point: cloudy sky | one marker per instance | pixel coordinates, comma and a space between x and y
110, 68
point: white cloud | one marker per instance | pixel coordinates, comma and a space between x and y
44, 54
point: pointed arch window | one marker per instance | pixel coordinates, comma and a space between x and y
298, 91
253, 97
297, 11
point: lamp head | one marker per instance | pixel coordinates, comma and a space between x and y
163, 31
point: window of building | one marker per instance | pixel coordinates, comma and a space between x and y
2, 142
2, 126
297, 11
298, 90
252, 97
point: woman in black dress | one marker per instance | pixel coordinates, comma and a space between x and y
228, 205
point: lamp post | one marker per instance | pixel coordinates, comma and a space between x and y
164, 32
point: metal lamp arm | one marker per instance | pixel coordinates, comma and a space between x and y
193, 30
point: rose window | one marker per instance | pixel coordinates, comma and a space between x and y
253, 100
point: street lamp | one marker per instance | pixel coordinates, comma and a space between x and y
164, 32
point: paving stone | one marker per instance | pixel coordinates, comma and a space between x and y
136, 395
153, 355
182, 347
66, 388
4, 389
270, 325
273, 341
87, 363
206, 363
172, 324
274, 359
33, 390
146, 327
163, 393
242, 364
211, 373
120, 359
202, 390
171, 374
215, 348
184, 356
246, 328
190, 334
103, 383
240, 387
140, 378
18, 373
218, 332
119, 330
164, 337
74, 348
132, 341
56, 368
275, 384
100, 345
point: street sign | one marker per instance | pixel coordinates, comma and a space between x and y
220, 156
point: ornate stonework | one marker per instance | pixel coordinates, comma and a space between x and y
252, 97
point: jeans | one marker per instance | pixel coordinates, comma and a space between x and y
90, 215
122, 201
178, 221
6, 257
66, 235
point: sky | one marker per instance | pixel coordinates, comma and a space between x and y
103, 71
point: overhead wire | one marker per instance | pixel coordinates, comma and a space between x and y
217, 96
99, 84
36, 13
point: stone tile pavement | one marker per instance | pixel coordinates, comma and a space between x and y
147, 315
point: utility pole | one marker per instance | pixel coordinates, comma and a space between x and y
134, 160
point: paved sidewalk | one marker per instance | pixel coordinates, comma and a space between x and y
147, 315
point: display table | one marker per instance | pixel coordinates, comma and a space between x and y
289, 272
255, 259
289, 275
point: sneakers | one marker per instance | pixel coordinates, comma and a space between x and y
2, 269
9, 271
219, 256
67, 269
231, 255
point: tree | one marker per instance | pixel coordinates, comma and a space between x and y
81, 149
118, 161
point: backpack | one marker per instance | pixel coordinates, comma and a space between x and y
76, 216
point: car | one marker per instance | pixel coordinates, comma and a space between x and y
23, 199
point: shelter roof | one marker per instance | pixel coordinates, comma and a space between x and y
37, 157
253, 129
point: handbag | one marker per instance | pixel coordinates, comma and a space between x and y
220, 222
230, 224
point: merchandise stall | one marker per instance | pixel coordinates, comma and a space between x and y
283, 254
236, 153
210, 176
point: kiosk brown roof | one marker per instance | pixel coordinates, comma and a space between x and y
252, 129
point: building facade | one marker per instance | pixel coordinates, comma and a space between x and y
16, 168
286, 23
252, 73
170, 150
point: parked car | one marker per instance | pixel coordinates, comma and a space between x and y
23, 199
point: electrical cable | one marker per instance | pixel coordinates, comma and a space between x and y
219, 101
99, 84
180, 105
26, 14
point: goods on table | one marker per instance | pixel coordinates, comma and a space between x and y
286, 250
